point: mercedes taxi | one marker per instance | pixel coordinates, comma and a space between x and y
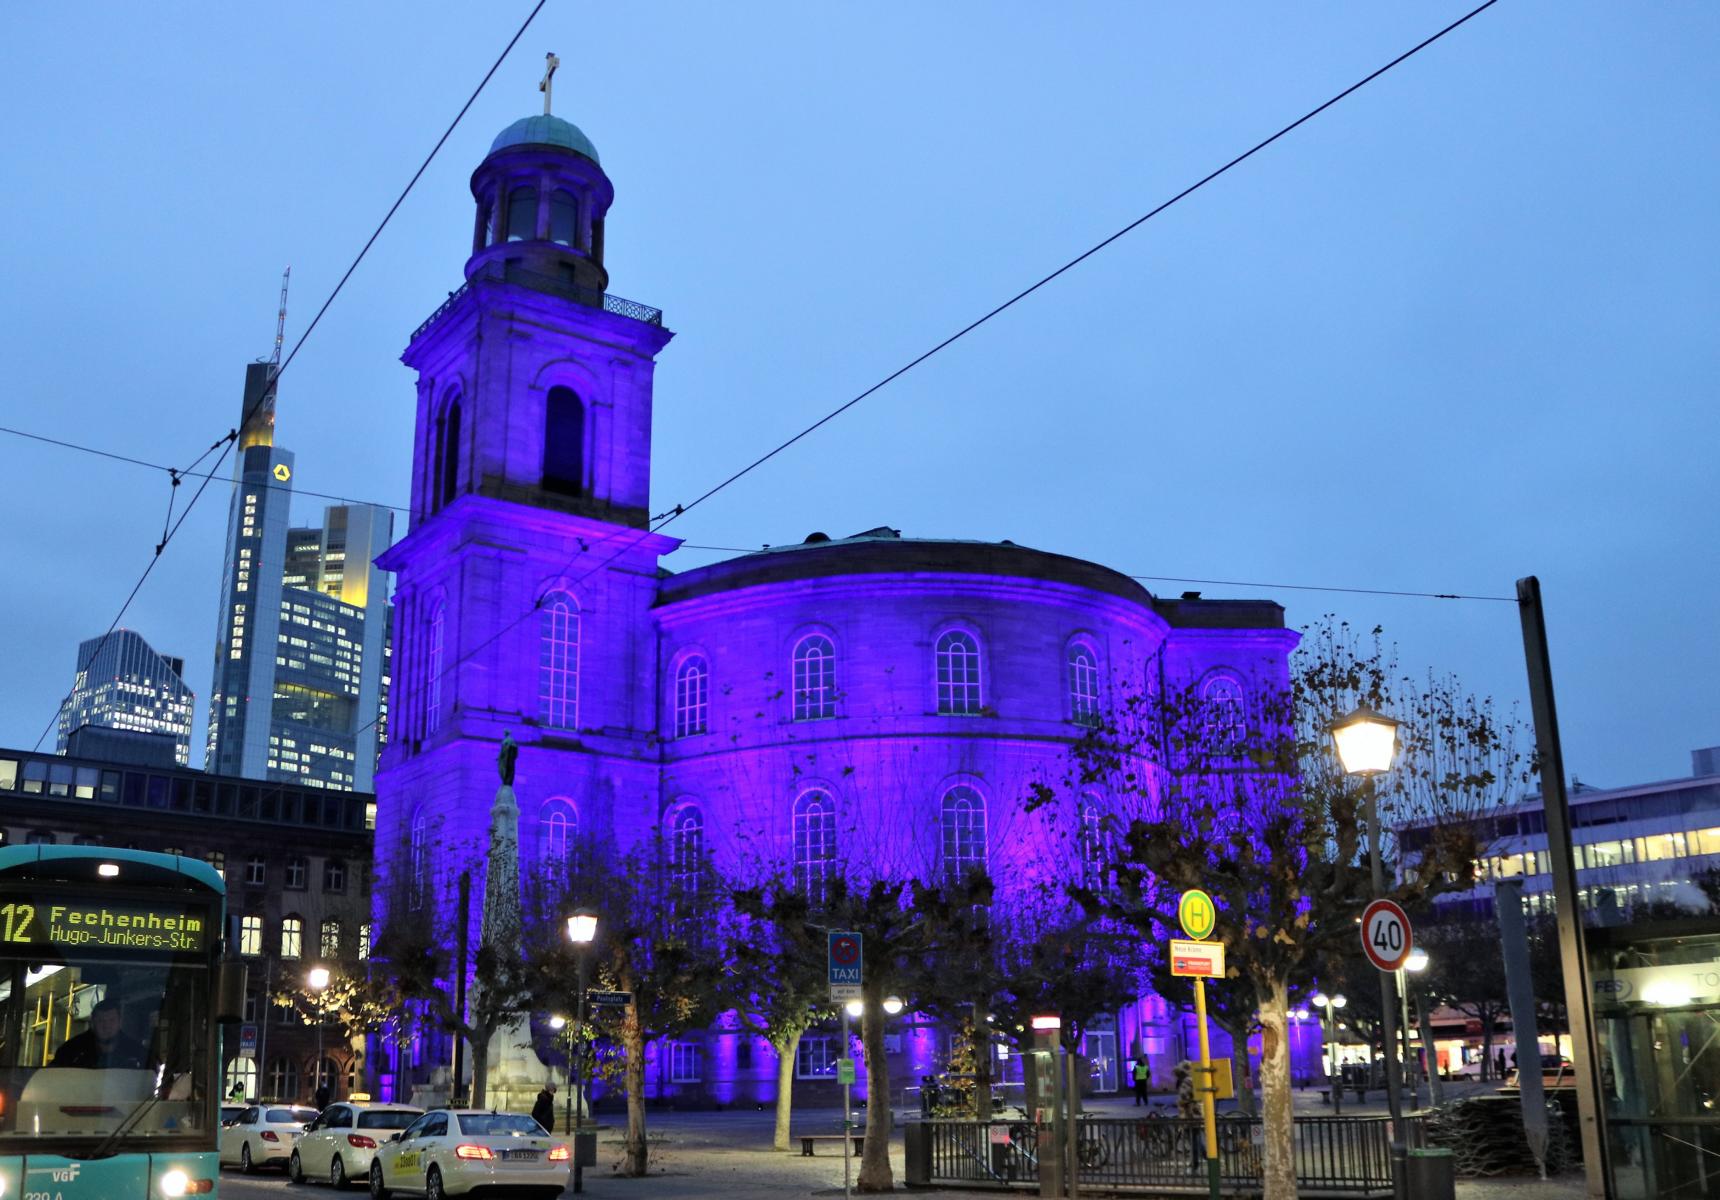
461, 1151
263, 1135
339, 1144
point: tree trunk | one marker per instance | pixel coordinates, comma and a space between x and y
875, 1173
786, 1051
633, 1046
981, 1062
1239, 1081
1435, 1086
480, 1046
1278, 1177
1486, 1047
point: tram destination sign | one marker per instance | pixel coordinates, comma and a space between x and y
70, 922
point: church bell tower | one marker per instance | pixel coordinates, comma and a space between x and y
526, 580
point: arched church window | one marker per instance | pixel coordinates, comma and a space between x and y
563, 442
958, 674
558, 661
814, 678
962, 824
522, 214
447, 454
686, 850
1225, 712
692, 685
418, 859
558, 835
814, 844
1090, 839
563, 217
433, 684
1083, 684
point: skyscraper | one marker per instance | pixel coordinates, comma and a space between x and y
301, 644
122, 683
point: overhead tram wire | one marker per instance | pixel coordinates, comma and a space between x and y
190, 473
232, 436
668, 516
680, 509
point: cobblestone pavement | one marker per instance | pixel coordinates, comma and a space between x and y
704, 1156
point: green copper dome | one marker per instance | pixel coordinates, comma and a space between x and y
545, 131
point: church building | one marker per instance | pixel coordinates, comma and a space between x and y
851, 697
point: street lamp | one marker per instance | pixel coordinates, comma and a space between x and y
581, 931
318, 980
892, 1005
1334, 1077
1416, 961
1366, 741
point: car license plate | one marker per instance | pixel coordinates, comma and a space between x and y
520, 1155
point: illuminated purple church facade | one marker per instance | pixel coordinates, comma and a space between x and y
841, 704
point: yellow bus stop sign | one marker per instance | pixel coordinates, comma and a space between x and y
1196, 913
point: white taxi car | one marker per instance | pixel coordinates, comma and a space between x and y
339, 1144
264, 1135
455, 1151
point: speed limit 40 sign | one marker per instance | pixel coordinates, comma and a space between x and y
1386, 935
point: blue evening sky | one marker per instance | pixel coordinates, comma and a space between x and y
1458, 329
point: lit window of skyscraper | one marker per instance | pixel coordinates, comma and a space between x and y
123, 684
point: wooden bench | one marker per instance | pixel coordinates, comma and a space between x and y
808, 1140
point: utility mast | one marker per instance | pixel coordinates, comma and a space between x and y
281, 322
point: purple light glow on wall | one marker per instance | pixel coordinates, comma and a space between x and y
607, 740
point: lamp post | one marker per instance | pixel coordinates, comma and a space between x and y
1366, 741
1417, 961
1334, 1077
318, 980
581, 931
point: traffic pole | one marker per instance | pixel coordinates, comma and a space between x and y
847, 1111
1207, 1090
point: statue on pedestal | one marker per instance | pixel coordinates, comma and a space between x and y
505, 758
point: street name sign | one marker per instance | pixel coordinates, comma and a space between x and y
609, 999
1201, 960
845, 962
1386, 936
1196, 913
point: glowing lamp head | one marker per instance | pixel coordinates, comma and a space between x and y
892, 1005
318, 978
1044, 1024
854, 1007
108, 870
1301, 1014
582, 927
1319, 999
1366, 741
558, 1023
1417, 960
1339, 1002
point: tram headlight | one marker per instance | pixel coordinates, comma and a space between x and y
174, 1183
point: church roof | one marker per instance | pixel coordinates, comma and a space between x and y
884, 551
545, 130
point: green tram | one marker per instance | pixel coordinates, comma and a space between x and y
112, 990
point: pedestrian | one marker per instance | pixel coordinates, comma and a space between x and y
1142, 1075
543, 1112
1499, 1062
236, 1095
321, 1099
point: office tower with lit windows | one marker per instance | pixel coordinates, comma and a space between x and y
122, 683
301, 648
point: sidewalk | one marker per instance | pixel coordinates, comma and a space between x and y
704, 1155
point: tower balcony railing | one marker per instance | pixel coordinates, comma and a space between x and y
590, 297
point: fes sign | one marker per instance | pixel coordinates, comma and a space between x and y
1386, 935
1196, 914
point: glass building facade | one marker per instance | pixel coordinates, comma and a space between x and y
122, 683
301, 657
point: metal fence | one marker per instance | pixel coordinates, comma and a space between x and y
1333, 1155
590, 297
